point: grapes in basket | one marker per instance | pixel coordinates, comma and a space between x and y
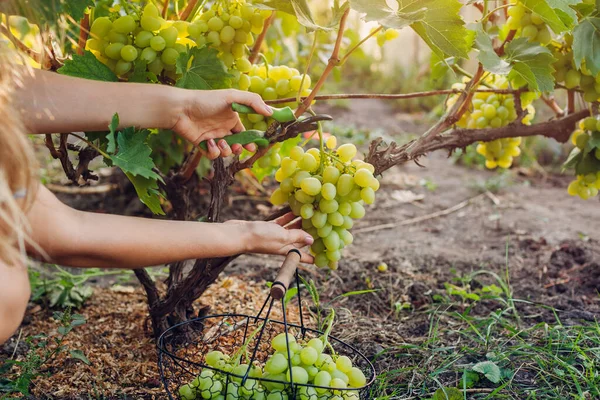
318, 375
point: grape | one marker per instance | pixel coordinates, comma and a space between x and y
156, 66
321, 260
169, 56
113, 50
124, 24
328, 206
331, 175
303, 197
148, 55
157, 43
346, 152
363, 177
311, 186
368, 195
572, 79
325, 230
236, 22
142, 39
308, 163
276, 364
335, 218
101, 27
122, 67
269, 93
170, 36
309, 355
332, 242
116, 37
345, 184
150, 23
298, 375
328, 191
319, 219
215, 24
278, 197
129, 53
358, 211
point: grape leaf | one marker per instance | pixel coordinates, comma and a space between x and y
76, 8
574, 158
587, 164
87, 66
147, 191
133, 156
532, 62
438, 22
489, 369
487, 56
555, 13
301, 10
586, 44
200, 68
139, 74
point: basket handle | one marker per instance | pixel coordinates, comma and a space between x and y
286, 274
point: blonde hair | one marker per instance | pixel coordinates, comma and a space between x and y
17, 164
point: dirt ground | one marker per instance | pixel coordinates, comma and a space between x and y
552, 240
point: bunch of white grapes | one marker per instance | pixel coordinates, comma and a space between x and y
328, 191
271, 83
494, 110
586, 185
227, 26
118, 43
566, 72
310, 366
528, 24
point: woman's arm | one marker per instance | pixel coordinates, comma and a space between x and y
84, 239
54, 103
14, 295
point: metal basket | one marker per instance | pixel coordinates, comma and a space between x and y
182, 349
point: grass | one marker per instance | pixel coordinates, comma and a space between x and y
482, 343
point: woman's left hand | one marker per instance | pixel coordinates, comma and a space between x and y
207, 115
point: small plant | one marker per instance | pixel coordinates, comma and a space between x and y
60, 288
42, 350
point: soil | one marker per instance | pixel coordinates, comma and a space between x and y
546, 240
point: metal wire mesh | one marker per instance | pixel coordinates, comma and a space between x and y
182, 361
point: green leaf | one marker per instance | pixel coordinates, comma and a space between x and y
63, 330
556, 13
587, 165
200, 68
300, 9
469, 379
76, 8
357, 292
441, 27
447, 393
134, 154
532, 62
147, 191
586, 44
489, 369
378, 10
139, 74
87, 66
487, 56
78, 354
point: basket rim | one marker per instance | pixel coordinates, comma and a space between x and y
164, 352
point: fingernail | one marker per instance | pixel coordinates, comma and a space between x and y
222, 144
211, 143
309, 240
268, 110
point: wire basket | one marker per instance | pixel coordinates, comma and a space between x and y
187, 375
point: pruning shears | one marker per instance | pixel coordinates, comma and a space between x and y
289, 125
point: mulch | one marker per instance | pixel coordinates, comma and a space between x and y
118, 342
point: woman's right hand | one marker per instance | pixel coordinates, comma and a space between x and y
276, 237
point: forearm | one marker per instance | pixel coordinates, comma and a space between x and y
83, 239
54, 103
14, 296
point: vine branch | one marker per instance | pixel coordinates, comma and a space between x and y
37, 57
260, 39
84, 31
385, 157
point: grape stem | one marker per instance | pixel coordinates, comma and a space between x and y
189, 9
260, 39
489, 14
306, 69
349, 52
334, 61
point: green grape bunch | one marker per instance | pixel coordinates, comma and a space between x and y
121, 40
310, 365
569, 75
527, 24
587, 168
494, 110
328, 190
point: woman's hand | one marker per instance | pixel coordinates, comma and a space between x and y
276, 237
207, 115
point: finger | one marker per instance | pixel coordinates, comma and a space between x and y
239, 127
294, 225
225, 149
299, 238
306, 258
285, 219
213, 151
251, 147
250, 99
237, 148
